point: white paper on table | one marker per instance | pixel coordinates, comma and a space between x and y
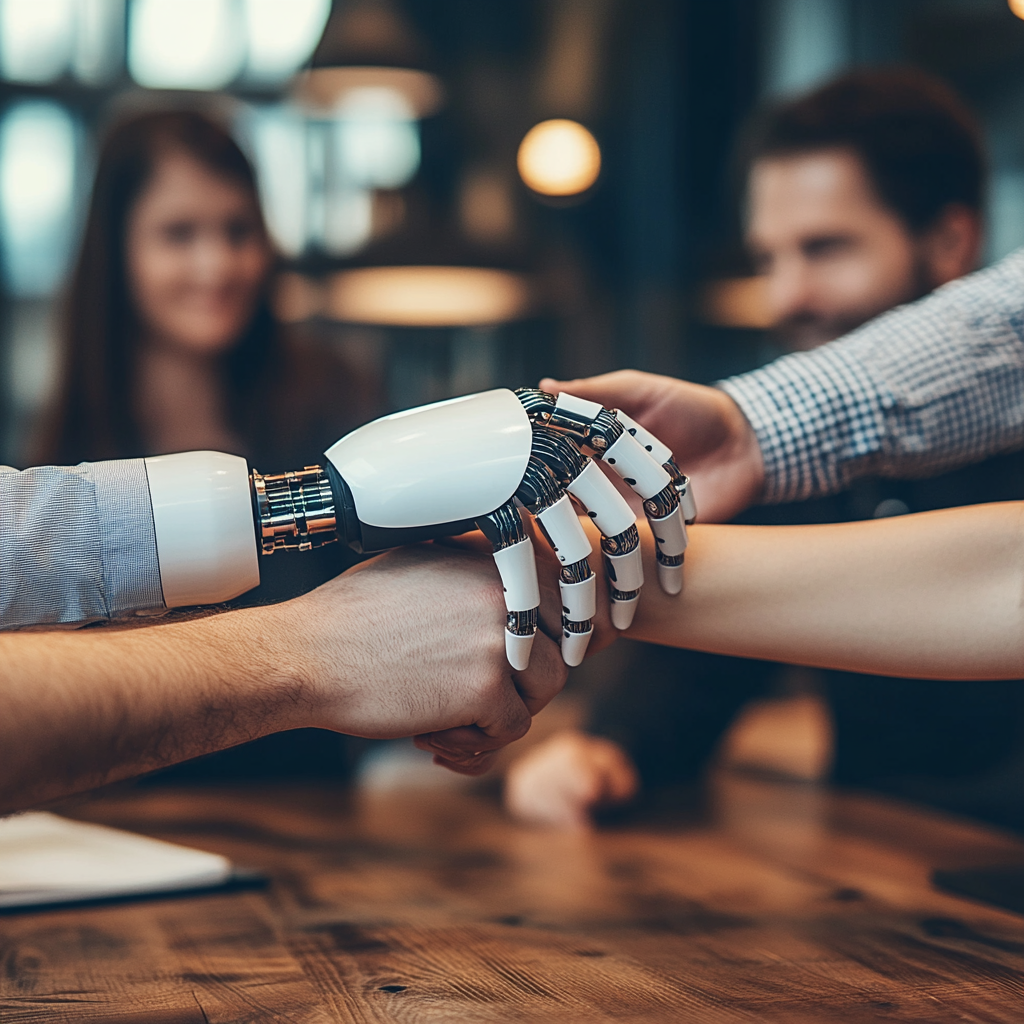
48, 859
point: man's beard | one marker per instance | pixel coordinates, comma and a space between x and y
807, 330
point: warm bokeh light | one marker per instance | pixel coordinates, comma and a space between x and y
1017, 6
559, 158
427, 296
327, 89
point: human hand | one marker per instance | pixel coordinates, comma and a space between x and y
712, 440
411, 643
560, 781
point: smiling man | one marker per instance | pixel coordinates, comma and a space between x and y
860, 196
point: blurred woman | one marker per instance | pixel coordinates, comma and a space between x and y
169, 343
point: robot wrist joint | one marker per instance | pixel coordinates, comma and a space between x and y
294, 510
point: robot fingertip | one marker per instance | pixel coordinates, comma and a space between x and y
670, 578
517, 650
574, 647
623, 612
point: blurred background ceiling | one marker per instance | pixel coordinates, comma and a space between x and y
468, 194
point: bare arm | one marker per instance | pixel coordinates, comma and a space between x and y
408, 644
937, 595
934, 596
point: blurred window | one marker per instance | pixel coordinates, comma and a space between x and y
348, 220
377, 138
185, 44
36, 38
99, 41
276, 138
207, 44
37, 187
282, 35
318, 172
1005, 212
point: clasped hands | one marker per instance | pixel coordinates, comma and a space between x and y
431, 632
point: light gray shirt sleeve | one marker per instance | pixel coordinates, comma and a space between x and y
77, 544
923, 389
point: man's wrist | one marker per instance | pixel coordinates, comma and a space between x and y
747, 451
266, 652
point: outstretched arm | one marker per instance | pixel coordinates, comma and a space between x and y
406, 644
936, 596
920, 390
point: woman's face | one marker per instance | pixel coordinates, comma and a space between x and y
197, 257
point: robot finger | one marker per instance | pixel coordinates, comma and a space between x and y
670, 539
517, 567
631, 460
597, 494
620, 542
687, 502
662, 454
577, 583
658, 450
625, 569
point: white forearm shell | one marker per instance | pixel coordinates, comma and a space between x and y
205, 539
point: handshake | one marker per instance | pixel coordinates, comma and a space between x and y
427, 640
512, 465
409, 643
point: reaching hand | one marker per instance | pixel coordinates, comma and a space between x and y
416, 638
564, 778
711, 438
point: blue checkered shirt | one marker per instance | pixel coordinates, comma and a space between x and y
923, 389
76, 544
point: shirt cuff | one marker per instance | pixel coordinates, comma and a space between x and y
818, 417
127, 535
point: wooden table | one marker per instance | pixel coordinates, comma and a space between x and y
775, 903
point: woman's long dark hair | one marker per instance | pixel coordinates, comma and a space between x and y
93, 416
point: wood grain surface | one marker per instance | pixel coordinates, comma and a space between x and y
771, 903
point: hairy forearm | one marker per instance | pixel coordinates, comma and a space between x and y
937, 595
78, 710
407, 644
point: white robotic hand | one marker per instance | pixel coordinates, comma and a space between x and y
436, 471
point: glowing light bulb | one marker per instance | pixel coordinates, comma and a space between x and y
559, 158
1017, 6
